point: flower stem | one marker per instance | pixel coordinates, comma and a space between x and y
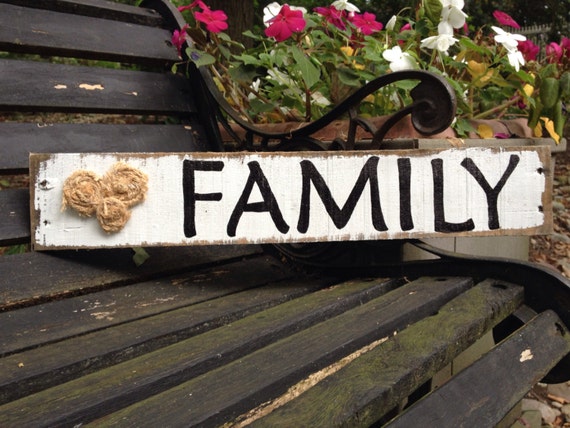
498, 108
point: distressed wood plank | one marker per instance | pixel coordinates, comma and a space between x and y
18, 140
226, 198
366, 389
213, 398
96, 8
41, 86
30, 327
33, 278
474, 400
45, 32
66, 360
14, 216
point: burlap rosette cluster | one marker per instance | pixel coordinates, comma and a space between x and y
109, 197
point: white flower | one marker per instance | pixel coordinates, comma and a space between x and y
344, 5
441, 42
516, 59
391, 23
272, 10
280, 77
445, 28
452, 13
399, 60
255, 85
319, 99
508, 40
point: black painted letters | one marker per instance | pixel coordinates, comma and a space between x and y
189, 191
438, 205
340, 216
310, 178
269, 202
492, 193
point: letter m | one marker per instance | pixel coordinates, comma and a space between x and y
340, 216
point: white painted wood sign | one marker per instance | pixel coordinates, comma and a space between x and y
232, 198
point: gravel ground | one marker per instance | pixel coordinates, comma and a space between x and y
549, 405
554, 250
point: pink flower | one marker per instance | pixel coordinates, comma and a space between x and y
406, 27
285, 23
502, 135
179, 37
553, 52
215, 20
333, 16
505, 19
366, 23
194, 4
529, 50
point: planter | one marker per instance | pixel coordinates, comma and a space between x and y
404, 136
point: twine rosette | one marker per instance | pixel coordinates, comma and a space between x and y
126, 183
109, 197
82, 191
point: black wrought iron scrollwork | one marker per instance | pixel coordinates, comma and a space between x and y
432, 111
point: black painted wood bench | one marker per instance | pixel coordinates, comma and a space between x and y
220, 335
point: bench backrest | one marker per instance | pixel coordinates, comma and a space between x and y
64, 63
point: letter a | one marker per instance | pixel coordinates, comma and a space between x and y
269, 203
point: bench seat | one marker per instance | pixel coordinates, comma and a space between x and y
234, 331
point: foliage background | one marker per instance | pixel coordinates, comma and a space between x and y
247, 14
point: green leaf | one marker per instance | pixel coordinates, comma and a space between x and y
200, 58
243, 73
433, 10
549, 92
463, 127
309, 72
348, 76
472, 46
140, 256
248, 59
565, 85
260, 106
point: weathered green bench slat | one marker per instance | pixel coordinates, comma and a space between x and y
44, 32
41, 86
190, 358
14, 217
18, 140
221, 394
117, 386
366, 389
53, 321
68, 359
32, 278
97, 8
479, 399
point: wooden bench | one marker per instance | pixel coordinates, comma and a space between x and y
216, 335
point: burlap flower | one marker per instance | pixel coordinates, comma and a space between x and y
126, 183
109, 197
82, 191
112, 214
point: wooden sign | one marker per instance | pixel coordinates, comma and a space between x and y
125, 200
